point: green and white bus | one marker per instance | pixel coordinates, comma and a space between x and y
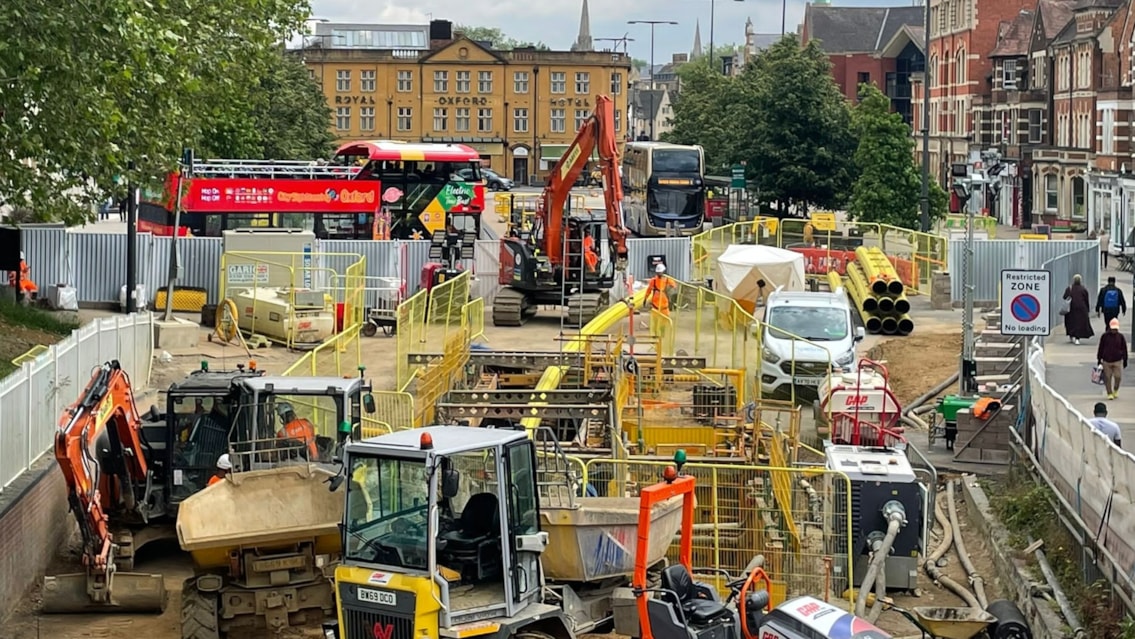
663, 189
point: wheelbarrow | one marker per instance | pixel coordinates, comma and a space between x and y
938, 622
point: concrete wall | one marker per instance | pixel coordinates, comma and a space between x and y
34, 526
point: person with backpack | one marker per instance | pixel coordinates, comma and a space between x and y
1110, 302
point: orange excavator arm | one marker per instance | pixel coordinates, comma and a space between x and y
103, 474
597, 131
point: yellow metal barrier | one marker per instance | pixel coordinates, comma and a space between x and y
426, 322
519, 209
475, 317
393, 411
828, 247
276, 277
957, 223
743, 511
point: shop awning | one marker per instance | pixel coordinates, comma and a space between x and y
487, 148
553, 152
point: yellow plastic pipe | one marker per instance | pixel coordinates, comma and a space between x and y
879, 270
603, 322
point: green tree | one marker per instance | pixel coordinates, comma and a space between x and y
889, 186
499, 40
702, 115
89, 88
284, 116
796, 124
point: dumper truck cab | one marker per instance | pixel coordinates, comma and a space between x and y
806, 336
434, 542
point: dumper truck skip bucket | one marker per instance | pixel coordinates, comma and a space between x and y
260, 508
597, 539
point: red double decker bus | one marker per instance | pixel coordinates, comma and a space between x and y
369, 190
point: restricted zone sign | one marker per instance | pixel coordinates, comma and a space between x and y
1026, 298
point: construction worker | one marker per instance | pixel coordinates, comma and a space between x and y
297, 428
658, 300
224, 467
27, 286
590, 257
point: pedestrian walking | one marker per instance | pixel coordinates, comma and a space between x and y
1112, 355
1105, 426
1110, 302
1105, 248
1077, 311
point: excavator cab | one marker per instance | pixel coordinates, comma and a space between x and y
194, 432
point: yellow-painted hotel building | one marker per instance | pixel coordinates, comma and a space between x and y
422, 83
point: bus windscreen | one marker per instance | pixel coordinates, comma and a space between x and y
677, 161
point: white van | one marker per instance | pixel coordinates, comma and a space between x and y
828, 333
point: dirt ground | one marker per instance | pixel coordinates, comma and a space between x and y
918, 362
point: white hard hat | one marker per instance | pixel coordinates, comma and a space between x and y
661, 268
224, 463
283, 408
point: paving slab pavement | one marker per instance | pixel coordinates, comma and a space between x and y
1068, 366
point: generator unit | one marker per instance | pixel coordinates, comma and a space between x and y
298, 317
877, 476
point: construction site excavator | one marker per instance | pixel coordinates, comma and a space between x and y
127, 474
108, 472
558, 263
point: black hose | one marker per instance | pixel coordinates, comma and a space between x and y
931, 394
1011, 622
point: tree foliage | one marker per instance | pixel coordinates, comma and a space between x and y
284, 116
87, 88
888, 189
783, 116
497, 37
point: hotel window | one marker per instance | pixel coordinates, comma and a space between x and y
582, 83
463, 81
484, 82
559, 82
618, 120
405, 118
520, 120
441, 81
368, 81
1107, 137
616, 83
343, 118
520, 82
581, 117
405, 81
441, 117
461, 119
343, 80
366, 118
485, 120
559, 121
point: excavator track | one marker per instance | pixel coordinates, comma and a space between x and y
511, 308
583, 307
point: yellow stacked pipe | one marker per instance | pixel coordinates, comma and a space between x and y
879, 271
855, 290
868, 303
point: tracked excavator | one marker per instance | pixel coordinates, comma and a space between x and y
126, 474
558, 262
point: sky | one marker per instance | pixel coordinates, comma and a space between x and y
556, 22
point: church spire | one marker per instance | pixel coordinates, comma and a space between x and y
696, 53
583, 40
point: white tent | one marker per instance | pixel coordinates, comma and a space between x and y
742, 265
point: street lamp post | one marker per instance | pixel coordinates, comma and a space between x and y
652, 23
711, 22
924, 198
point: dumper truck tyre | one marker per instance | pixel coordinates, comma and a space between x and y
199, 618
531, 634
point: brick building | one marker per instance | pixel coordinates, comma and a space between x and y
1111, 185
882, 46
963, 33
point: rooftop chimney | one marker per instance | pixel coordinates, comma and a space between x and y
680, 57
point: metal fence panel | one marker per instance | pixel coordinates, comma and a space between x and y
678, 252
45, 249
33, 397
486, 270
98, 262
1084, 262
415, 255
991, 256
198, 257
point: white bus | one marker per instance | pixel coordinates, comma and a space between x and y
663, 188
